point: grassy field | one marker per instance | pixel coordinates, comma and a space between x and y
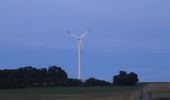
159, 91
73, 93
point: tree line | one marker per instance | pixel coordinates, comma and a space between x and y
55, 76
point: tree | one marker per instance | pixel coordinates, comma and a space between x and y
32, 77
74, 82
132, 78
95, 82
56, 76
125, 79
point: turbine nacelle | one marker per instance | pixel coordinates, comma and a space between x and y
79, 37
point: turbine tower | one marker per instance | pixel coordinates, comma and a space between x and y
79, 47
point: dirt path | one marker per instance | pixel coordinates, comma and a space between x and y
145, 94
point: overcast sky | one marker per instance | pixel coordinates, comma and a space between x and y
130, 35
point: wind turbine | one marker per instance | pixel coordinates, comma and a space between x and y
79, 47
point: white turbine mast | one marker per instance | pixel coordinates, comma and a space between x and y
79, 47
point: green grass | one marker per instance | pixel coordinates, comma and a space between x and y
65, 90
73, 93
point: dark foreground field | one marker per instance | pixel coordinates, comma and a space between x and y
159, 91
74, 93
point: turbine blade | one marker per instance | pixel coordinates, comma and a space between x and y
84, 34
73, 35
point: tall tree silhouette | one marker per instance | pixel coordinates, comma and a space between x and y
125, 79
56, 75
32, 77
